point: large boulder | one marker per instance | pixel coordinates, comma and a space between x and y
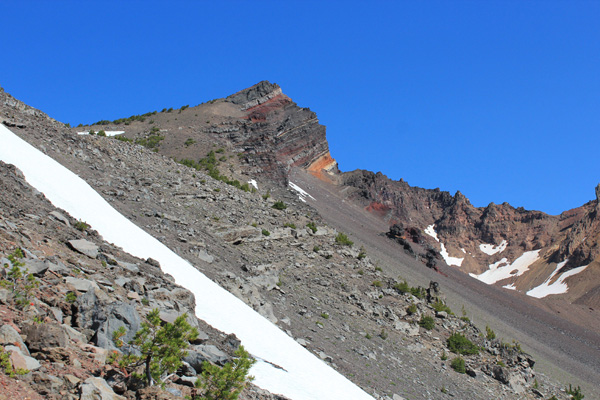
105, 319
37, 267
81, 285
84, 247
9, 336
19, 360
42, 336
97, 389
198, 354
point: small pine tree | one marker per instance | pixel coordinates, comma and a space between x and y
161, 347
225, 383
575, 393
489, 333
343, 239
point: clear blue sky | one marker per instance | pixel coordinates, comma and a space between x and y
497, 99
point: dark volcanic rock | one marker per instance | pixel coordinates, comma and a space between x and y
276, 134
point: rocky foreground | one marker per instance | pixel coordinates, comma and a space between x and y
332, 296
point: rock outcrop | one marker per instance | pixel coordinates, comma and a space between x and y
277, 134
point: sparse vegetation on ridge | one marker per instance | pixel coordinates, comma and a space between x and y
427, 322
458, 364
126, 121
210, 165
20, 282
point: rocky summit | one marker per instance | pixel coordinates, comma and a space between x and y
351, 265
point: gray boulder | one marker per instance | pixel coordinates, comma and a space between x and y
9, 336
200, 353
81, 285
97, 389
40, 336
105, 319
20, 360
60, 217
84, 247
37, 267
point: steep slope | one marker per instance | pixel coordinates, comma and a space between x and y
340, 304
78, 301
259, 134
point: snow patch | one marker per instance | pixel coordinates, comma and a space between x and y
302, 194
253, 183
450, 260
497, 272
430, 230
510, 287
108, 133
304, 376
559, 286
490, 249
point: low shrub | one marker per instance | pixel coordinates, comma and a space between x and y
459, 344
575, 393
343, 239
427, 322
440, 306
81, 225
226, 383
458, 364
412, 309
312, 227
279, 205
70, 297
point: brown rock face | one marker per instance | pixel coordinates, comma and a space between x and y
580, 245
573, 234
276, 134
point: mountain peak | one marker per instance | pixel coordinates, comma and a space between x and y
255, 95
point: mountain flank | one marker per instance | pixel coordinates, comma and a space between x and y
265, 134
337, 299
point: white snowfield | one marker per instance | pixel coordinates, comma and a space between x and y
108, 133
430, 230
490, 249
498, 272
450, 260
558, 286
303, 377
253, 183
302, 194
